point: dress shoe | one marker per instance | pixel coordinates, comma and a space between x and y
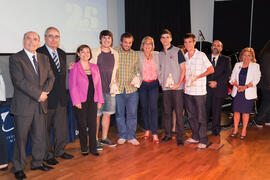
95, 153
243, 137
180, 143
42, 167
66, 156
233, 135
85, 153
166, 139
20, 175
52, 161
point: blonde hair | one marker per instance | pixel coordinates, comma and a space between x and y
145, 39
252, 52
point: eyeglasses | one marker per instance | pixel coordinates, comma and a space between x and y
50, 36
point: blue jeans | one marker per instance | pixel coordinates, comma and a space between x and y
126, 114
149, 101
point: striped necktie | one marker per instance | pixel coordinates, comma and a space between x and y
35, 64
56, 60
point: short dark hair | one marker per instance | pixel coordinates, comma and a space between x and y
166, 31
79, 49
126, 35
190, 35
105, 33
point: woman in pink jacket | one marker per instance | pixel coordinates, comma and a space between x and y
86, 95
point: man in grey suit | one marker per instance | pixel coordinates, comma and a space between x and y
32, 79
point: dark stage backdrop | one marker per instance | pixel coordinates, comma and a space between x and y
261, 27
150, 17
232, 24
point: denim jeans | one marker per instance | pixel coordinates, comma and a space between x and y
149, 103
126, 114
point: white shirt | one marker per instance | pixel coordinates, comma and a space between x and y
30, 56
2, 88
216, 58
196, 65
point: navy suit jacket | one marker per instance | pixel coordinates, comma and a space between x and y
59, 92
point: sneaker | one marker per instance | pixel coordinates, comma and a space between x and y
134, 142
121, 141
258, 124
267, 124
201, 146
191, 141
99, 146
107, 142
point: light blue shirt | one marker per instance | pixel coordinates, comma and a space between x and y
51, 52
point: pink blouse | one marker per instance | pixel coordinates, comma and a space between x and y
149, 70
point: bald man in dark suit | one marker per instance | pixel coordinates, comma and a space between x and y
32, 79
217, 85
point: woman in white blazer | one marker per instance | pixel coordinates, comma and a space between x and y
245, 76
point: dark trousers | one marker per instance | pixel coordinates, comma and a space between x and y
35, 126
149, 103
3, 147
264, 109
56, 119
213, 109
173, 99
87, 117
196, 110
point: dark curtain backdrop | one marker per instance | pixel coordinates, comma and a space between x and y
232, 23
149, 17
261, 27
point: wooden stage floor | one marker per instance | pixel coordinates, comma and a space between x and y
237, 159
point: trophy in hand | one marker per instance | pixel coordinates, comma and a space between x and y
114, 88
190, 79
136, 81
169, 81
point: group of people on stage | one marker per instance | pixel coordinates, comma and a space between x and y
104, 81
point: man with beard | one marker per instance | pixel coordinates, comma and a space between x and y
217, 85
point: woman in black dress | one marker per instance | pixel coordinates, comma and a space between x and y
245, 76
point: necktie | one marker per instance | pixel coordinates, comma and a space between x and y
213, 62
56, 60
35, 64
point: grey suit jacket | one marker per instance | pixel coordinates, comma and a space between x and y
27, 85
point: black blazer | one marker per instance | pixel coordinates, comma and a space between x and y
59, 92
27, 85
221, 75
